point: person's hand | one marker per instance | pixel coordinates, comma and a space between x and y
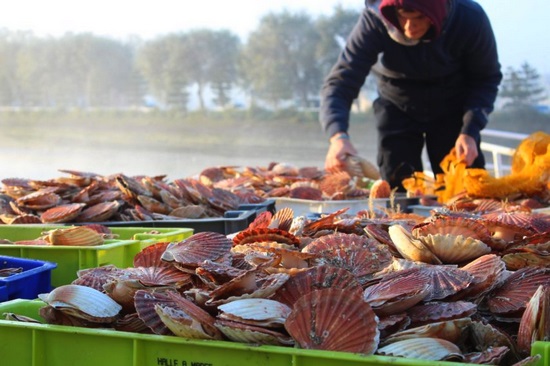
338, 150
466, 149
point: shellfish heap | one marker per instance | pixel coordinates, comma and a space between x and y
447, 287
88, 197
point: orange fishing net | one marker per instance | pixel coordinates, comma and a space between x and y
530, 174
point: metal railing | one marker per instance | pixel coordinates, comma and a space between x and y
500, 155
499, 152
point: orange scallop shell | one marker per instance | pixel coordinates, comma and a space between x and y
315, 278
151, 256
515, 292
40, 200
265, 234
334, 320
192, 251
362, 261
145, 302
446, 281
24, 219
487, 272
454, 226
99, 212
437, 311
98, 276
306, 193
534, 324
380, 189
62, 213
398, 292
75, 236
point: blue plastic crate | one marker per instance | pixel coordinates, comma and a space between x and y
35, 278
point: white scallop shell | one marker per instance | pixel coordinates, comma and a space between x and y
258, 311
455, 248
83, 299
432, 349
409, 247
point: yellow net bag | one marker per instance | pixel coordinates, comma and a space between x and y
530, 174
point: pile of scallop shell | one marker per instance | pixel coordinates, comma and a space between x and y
82, 197
461, 286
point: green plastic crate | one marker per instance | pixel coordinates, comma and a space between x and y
543, 349
148, 235
27, 344
119, 252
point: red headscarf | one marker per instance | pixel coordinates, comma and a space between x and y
435, 10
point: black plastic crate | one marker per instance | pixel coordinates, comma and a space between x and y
231, 222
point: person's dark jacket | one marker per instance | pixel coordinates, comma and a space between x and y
457, 72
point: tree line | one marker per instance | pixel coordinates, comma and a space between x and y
283, 62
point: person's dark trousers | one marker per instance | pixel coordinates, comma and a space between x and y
401, 139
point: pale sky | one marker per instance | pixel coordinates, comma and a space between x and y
521, 28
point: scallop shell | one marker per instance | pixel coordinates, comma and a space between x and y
38, 241
58, 317
189, 212
186, 319
357, 254
452, 330
258, 312
39, 200
409, 247
336, 183
431, 349
340, 240
489, 356
380, 189
534, 324
131, 323
455, 249
515, 292
437, 311
21, 219
151, 256
446, 281
265, 234
315, 278
123, 288
393, 323
487, 272
62, 213
246, 333
486, 336
306, 193
75, 236
82, 302
98, 276
335, 320
526, 258
145, 301
248, 285
213, 274
159, 276
398, 292
99, 212
282, 219
453, 226
192, 251
360, 167
262, 220
508, 226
